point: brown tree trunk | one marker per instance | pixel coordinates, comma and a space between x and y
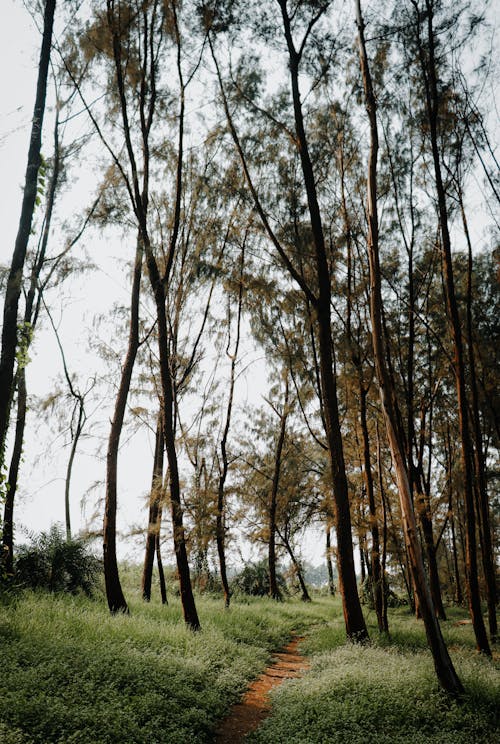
483, 511
14, 280
353, 614
429, 75
458, 583
305, 594
187, 598
223, 471
155, 501
7, 562
443, 665
114, 593
159, 561
329, 567
376, 573
274, 591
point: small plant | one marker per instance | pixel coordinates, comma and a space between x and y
56, 564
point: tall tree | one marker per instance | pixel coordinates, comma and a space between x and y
443, 665
14, 281
318, 292
425, 23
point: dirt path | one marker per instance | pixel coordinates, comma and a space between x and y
248, 714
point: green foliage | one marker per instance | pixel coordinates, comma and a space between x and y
54, 563
24, 339
254, 580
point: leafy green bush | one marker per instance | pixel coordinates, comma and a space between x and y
254, 580
56, 564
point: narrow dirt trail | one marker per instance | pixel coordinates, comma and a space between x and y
254, 707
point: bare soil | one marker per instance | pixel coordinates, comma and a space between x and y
254, 707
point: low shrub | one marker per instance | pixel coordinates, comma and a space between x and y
254, 580
56, 564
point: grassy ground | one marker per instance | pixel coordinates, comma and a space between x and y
70, 673
386, 693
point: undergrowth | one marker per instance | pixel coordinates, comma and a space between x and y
72, 674
385, 692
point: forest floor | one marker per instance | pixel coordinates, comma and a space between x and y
255, 705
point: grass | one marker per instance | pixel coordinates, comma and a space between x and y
71, 673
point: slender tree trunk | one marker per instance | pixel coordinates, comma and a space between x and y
376, 573
443, 665
385, 587
483, 510
30, 319
159, 561
220, 527
432, 103
114, 593
459, 599
329, 567
274, 591
8, 516
353, 614
14, 281
305, 594
155, 501
187, 597
69, 469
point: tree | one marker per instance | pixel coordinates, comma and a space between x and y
427, 47
318, 293
443, 665
14, 281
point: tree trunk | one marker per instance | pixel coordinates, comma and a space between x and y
432, 103
186, 590
155, 501
376, 573
329, 567
274, 591
7, 562
483, 510
353, 614
223, 471
114, 593
14, 281
443, 665
305, 594
161, 573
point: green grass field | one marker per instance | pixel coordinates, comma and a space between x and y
72, 673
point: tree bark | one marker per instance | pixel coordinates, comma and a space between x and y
329, 567
443, 665
114, 593
155, 501
483, 511
220, 527
274, 591
7, 562
376, 572
14, 281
